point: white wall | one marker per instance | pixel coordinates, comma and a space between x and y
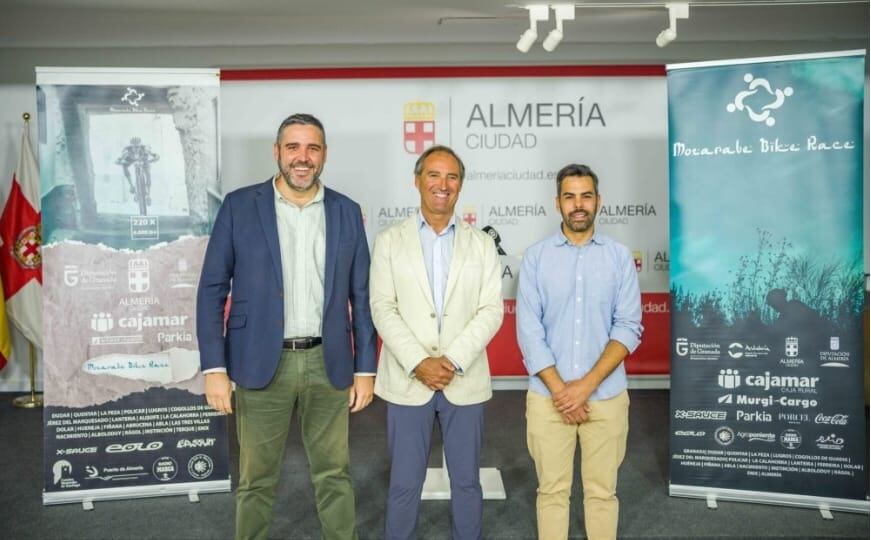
16, 99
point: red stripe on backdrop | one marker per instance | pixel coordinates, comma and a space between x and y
441, 72
651, 357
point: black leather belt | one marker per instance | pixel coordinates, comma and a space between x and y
301, 344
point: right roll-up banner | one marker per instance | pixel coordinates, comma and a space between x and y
767, 280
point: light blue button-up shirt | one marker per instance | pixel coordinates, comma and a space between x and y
438, 250
571, 301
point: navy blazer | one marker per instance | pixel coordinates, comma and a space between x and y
243, 255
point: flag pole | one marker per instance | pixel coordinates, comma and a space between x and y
34, 400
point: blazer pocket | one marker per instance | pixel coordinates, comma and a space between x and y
237, 321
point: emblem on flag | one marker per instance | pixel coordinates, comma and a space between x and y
418, 130
26, 248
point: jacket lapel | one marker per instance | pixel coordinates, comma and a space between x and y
413, 252
265, 202
333, 224
458, 259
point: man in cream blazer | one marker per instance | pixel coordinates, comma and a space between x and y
436, 295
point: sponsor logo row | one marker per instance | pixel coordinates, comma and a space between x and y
788, 356
138, 278
164, 468
791, 439
760, 416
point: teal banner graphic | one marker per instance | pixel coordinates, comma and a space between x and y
129, 176
767, 280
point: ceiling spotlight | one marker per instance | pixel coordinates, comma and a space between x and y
665, 37
561, 12
537, 12
680, 10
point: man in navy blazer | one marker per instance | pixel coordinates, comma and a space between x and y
299, 332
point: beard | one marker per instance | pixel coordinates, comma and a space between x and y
579, 226
287, 175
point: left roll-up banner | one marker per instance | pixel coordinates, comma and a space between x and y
129, 168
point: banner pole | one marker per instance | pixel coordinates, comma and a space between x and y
34, 400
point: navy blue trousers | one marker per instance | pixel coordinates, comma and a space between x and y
409, 433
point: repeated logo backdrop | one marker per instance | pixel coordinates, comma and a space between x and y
513, 135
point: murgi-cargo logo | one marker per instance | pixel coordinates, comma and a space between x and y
418, 130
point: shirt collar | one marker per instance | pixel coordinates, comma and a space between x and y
559, 239
421, 223
319, 196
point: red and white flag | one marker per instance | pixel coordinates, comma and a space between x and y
20, 251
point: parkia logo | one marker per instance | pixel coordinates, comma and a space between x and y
418, 131
729, 378
763, 113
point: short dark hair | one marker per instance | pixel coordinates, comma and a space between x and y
575, 169
301, 119
418, 165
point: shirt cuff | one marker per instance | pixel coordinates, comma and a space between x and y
627, 337
214, 370
459, 370
364, 374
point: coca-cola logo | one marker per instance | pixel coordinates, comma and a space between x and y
833, 420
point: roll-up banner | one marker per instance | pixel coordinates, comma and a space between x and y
129, 177
513, 127
767, 280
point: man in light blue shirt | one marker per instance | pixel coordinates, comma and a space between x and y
578, 317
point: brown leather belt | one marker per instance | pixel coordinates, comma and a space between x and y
301, 344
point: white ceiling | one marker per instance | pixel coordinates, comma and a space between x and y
289, 33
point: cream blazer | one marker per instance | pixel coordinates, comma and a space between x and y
405, 317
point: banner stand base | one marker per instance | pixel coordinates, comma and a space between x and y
437, 485
88, 497
825, 505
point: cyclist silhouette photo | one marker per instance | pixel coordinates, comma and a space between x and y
141, 157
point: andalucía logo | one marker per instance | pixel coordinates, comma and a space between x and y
418, 130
